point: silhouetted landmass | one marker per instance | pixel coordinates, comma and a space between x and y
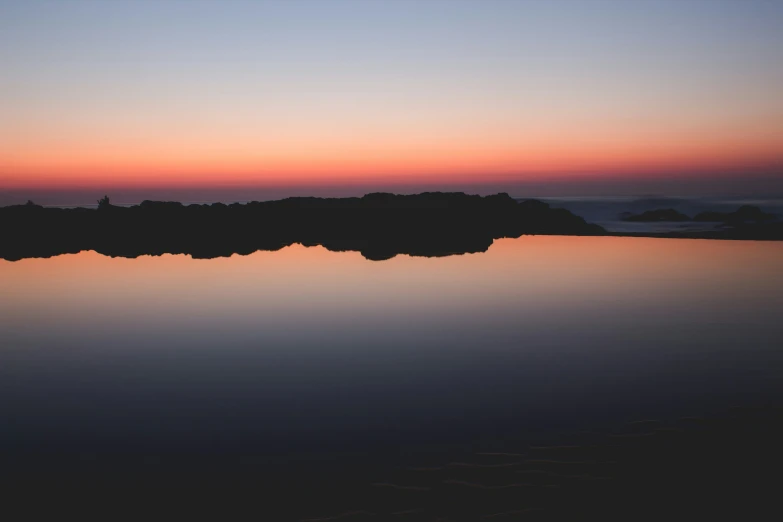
378, 225
745, 214
661, 214
748, 222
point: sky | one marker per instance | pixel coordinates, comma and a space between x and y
233, 99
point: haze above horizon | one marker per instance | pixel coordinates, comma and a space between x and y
199, 100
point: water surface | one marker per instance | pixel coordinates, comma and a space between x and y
306, 350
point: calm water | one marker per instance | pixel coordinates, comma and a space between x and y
309, 350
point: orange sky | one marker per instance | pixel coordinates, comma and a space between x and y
332, 92
209, 158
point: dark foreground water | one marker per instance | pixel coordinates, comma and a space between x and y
308, 352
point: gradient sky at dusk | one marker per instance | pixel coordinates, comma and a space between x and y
564, 96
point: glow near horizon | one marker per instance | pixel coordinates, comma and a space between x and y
209, 94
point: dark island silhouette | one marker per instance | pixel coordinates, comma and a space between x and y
379, 225
746, 214
748, 222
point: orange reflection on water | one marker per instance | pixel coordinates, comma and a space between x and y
531, 272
